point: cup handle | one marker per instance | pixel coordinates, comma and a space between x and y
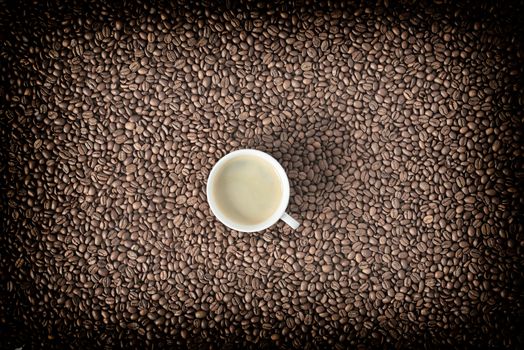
294, 224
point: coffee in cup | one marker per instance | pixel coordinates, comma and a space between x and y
248, 190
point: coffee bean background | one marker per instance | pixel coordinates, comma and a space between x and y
400, 125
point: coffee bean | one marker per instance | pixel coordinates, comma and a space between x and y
428, 219
306, 66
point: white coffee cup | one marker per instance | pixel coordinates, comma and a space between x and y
278, 214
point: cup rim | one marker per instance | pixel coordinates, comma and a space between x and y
267, 222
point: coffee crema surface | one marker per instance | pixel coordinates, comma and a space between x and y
247, 190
